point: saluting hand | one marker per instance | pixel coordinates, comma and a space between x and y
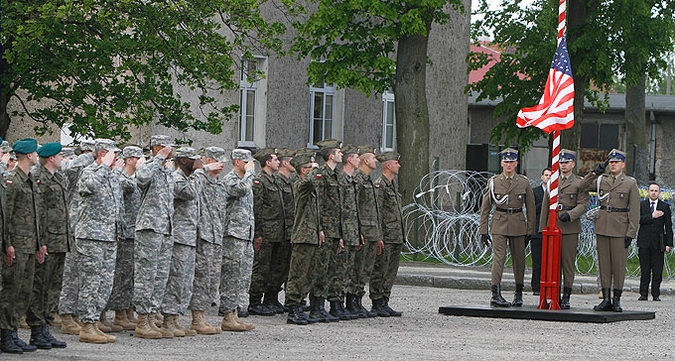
140, 162
249, 165
108, 158
5, 158
165, 152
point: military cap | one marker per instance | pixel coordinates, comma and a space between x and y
106, 144
567, 156
509, 155
363, 149
5, 147
305, 151
215, 153
349, 149
12, 155
616, 155
67, 152
4, 143
388, 156
329, 144
25, 146
285, 153
186, 152
87, 144
49, 149
161, 140
241, 154
301, 159
132, 151
262, 153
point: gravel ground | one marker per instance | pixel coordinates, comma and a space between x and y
421, 334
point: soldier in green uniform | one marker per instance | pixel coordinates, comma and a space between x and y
269, 232
508, 192
616, 225
22, 247
393, 235
572, 204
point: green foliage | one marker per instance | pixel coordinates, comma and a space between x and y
352, 42
104, 66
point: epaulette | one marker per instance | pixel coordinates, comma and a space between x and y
524, 177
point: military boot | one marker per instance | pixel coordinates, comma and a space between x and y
19, 342
320, 303
55, 343
153, 325
7, 344
518, 296
89, 335
378, 308
199, 325
390, 310
353, 307
248, 326
130, 315
565, 300
109, 326
143, 329
121, 320
616, 301
230, 323
606, 304
38, 340
178, 326
497, 299
169, 325
56, 319
294, 317
359, 303
272, 302
255, 307
314, 311
108, 338
69, 326
336, 311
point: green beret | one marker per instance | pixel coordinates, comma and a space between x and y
262, 153
300, 160
49, 149
25, 146
285, 153
388, 156
363, 149
329, 144
349, 149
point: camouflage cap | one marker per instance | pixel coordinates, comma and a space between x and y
68, 152
616, 155
241, 154
25, 146
161, 140
186, 152
300, 160
106, 144
132, 151
285, 153
259, 155
49, 149
87, 145
305, 151
5, 147
363, 149
12, 155
388, 156
215, 153
329, 144
349, 149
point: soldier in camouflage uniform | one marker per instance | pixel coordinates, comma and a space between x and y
153, 243
269, 233
369, 220
98, 228
123, 284
307, 239
186, 217
22, 243
351, 236
57, 236
393, 235
70, 285
235, 272
209, 250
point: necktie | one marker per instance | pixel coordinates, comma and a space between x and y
653, 206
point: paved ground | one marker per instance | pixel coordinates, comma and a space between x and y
421, 334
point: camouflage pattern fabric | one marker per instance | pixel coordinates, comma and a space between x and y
132, 202
212, 210
208, 260
97, 271
181, 276
307, 220
232, 267
70, 285
123, 284
186, 209
157, 185
99, 216
239, 219
300, 274
384, 272
327, 182
152, 262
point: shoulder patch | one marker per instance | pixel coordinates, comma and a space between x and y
377, 185
37, 182
8, 182
318, 175
256, 182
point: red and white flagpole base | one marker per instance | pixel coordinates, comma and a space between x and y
551, 245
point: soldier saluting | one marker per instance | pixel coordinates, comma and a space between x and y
508, 192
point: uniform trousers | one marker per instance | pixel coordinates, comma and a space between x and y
343, 263
612, 258
97, 272
235, 274
152, 262
568, 257
17, 286
70, 286
269, 266
55, 265
181, 276
324, 274
517, 248
45, 285
123, 284
385, 270
208, 259
302, 272
364, 262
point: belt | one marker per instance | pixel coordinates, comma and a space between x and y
509, 210
613, 209
564, 208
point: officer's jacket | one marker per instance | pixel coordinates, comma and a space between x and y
619, 214
508, 218
268, 208
571, 199
368, 211
389, 201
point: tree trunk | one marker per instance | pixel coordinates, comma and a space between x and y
5, 91
412, 114
637, 161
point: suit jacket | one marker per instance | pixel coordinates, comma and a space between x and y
538, 200
652, 228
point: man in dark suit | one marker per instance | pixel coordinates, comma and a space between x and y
655, 238
535, 241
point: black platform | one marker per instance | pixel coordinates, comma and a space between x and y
532, 313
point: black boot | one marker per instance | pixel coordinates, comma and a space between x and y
565, 300
497, 299
616, 304
353, 306
606, 304
320, 303
314, 311
351, 315
390, 310
294, 317
359, 303
272, 302
7, 344
55, 343
378, 308
38, 340
255, 307
518, 296
19, 342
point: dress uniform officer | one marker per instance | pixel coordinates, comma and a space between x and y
508, 192
616, 225
572, 204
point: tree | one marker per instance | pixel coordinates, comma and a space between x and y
103, 66
373, 46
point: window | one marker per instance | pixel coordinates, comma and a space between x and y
599, 136
252, 102
388, 122
322, 113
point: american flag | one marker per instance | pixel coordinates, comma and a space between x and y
555, 110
